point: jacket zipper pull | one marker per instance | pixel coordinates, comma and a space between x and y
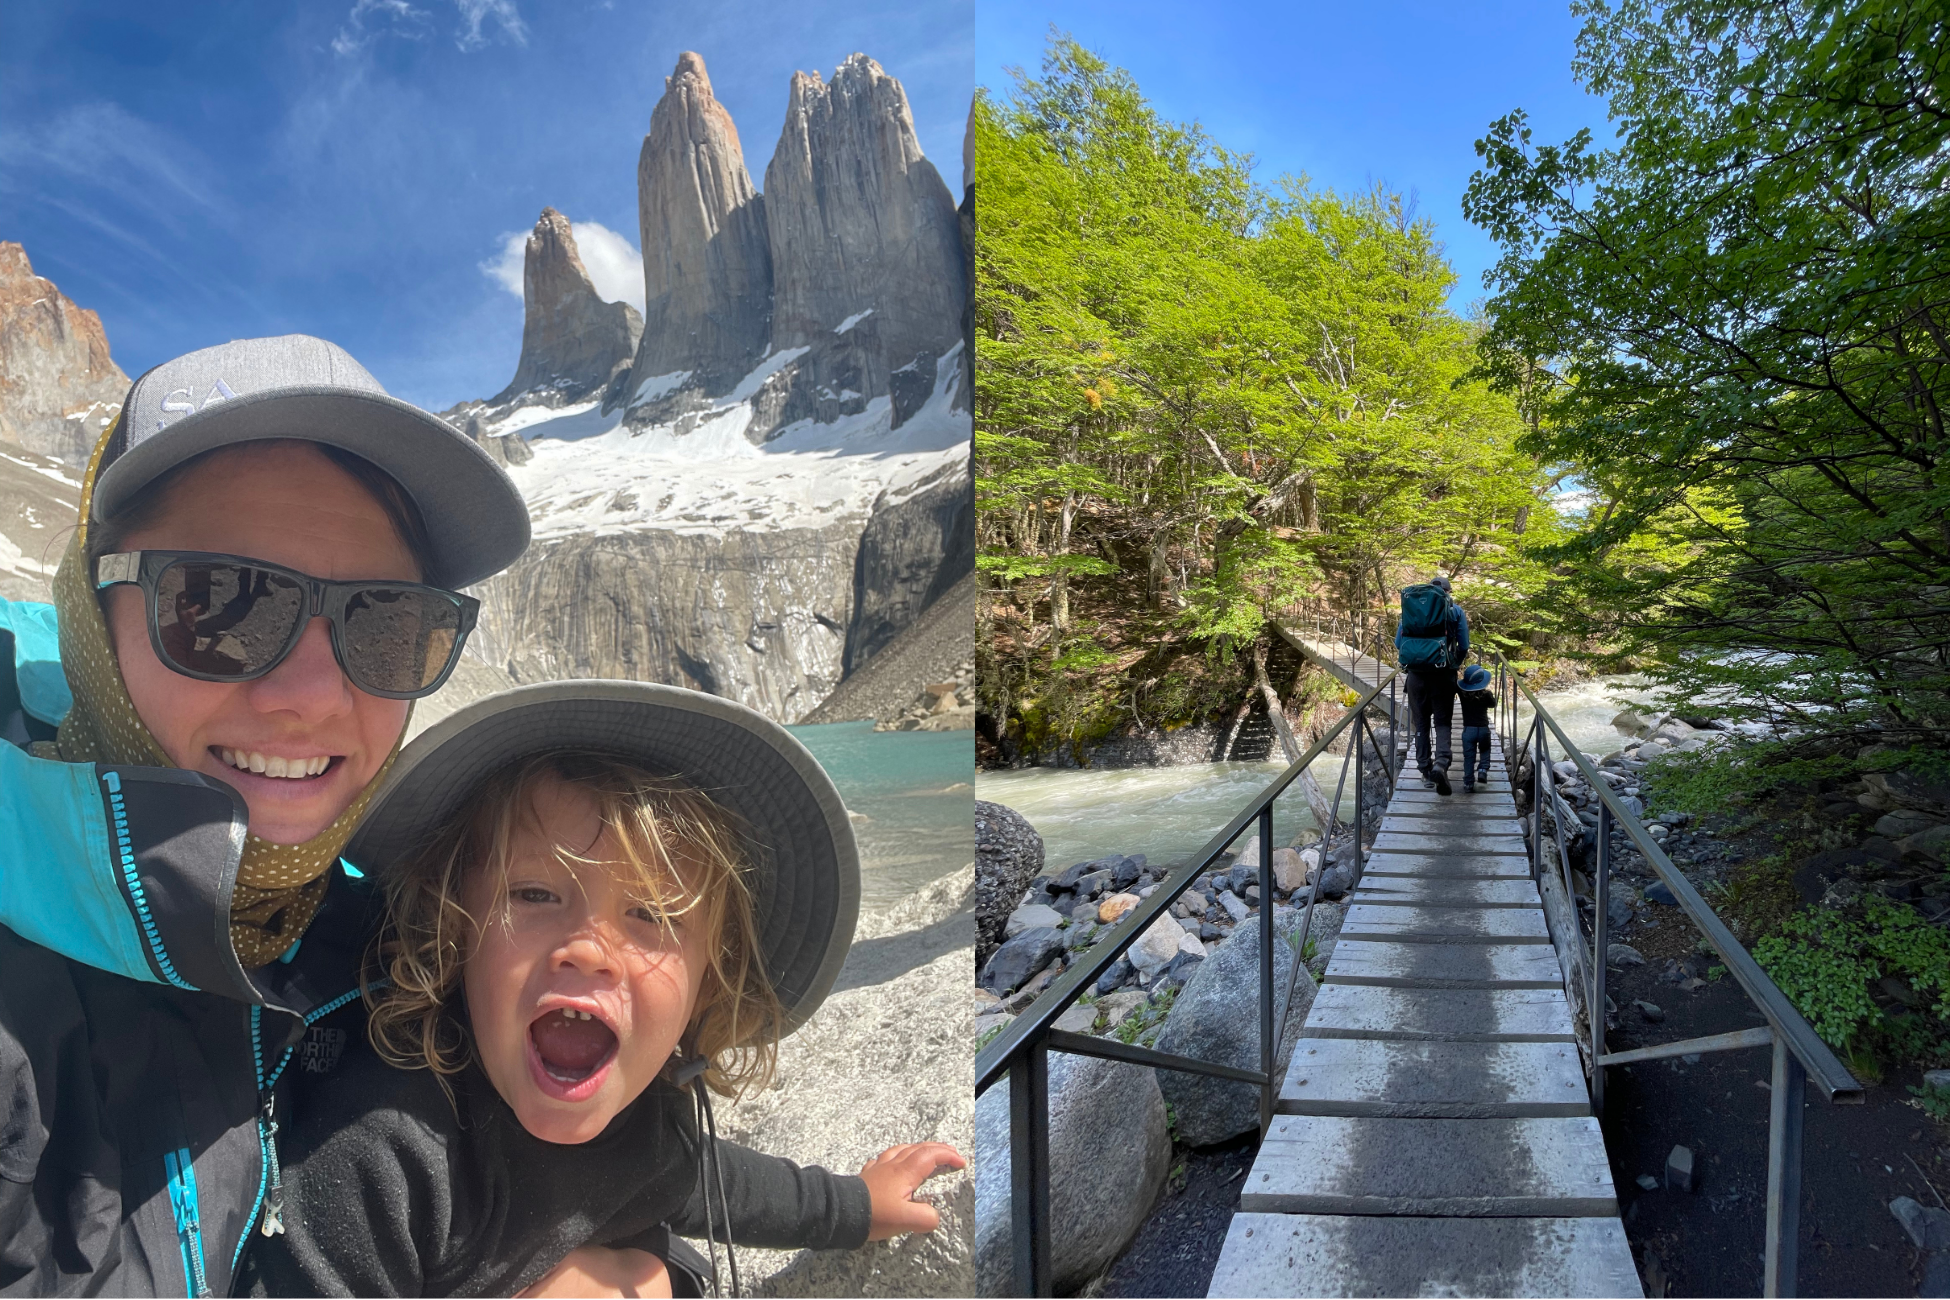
273, 1224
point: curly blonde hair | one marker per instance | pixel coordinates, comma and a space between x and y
416, 1022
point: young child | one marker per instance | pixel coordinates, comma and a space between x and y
1473, 691
581, 945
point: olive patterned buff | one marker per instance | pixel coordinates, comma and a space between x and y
279, 886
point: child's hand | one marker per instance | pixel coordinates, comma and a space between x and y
602, 1271
892, 1178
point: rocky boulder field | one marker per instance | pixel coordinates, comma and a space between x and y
1188, 985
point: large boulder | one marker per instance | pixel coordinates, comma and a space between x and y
1909, 790
1216, 1018
1008, 855
1109, 1152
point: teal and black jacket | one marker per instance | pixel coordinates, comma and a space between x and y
143, 1071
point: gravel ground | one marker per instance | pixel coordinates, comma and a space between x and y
1176, 1250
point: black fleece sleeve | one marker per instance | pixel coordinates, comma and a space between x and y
368, 1215
776, 1204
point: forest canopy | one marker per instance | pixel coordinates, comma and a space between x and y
1733, 322
1201, 404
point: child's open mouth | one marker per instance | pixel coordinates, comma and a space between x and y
573, 1049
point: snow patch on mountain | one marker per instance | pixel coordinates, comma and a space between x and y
593, 474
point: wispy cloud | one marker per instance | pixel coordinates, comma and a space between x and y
106, 146
372, 19
475, 12
614, 265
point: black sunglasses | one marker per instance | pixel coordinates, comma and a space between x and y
225, 618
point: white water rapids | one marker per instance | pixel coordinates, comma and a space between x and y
1168, 813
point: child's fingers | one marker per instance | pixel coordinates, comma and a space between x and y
919, 1161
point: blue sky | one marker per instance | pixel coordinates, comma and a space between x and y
1347, 94
198, 171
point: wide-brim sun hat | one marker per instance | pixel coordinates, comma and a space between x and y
807, 866
300, 387
1475, 678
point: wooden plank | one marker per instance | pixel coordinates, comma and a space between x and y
1427, 891
1460, 866
1433, 1079
1478, 845
1444, 965
1464, 1015
1282, 1255
1447, 924
1319, 1164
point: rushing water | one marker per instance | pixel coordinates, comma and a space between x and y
1165, 813
1169, 813
912, 789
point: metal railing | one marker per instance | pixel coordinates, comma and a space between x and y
1021, 1050
1799, 1053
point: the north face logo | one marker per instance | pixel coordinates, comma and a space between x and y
322, 1048
222, 392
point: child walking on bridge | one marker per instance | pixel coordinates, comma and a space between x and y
1474, 693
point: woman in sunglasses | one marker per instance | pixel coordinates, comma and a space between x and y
264, 579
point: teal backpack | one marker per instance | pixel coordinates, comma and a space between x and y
1427, 615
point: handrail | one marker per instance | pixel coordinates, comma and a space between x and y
1823, 1066
1799, 1053
1021, 1050
992, 1062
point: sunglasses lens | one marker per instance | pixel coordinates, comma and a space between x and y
399, 639
225, 620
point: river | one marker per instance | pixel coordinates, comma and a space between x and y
1169, 813
912, 788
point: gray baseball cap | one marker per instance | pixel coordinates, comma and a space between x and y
807, 885
305, 388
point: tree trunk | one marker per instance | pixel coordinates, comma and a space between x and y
1158, 575
1309, 788
1059, 597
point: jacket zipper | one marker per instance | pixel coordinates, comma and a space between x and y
189, 1231
270, 1178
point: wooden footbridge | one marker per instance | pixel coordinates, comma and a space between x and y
1434, 1134
1435, 1131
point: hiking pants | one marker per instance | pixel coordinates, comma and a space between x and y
1476, 741
1431, 696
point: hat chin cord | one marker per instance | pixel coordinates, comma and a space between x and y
691, 1072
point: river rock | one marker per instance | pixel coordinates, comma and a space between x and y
1235, 906
1036, 916
1093, 884
1904, 822
1651, 750
1934, 842
1290, 869
1119, 1005
1216, 1018
1629, 723
1908, 790
1112, 909
59, 387
1109, 1152
1008, 855
1121, 972
1020, 958
1126, 871
1156, 947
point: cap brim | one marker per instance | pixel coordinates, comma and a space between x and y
808, 884
475, 517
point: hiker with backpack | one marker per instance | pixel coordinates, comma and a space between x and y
1430, 644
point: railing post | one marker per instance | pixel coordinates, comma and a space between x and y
1266, 1044
1601, 894
1784, 1172
1029, 1170
1537, 807
1359, 765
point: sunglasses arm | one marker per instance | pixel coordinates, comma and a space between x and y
124, 566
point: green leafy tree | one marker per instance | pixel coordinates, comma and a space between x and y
1731, 325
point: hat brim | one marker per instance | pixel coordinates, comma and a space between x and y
475, 517
807, 890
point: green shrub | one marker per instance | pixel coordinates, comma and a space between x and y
1825, 962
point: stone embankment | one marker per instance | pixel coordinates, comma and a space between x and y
885, 1061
